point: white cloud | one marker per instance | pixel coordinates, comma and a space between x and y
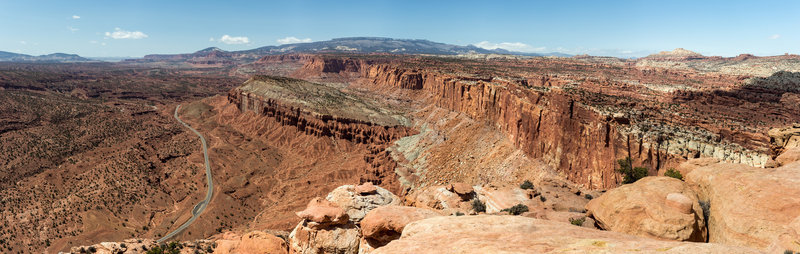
23, 42
76, 17
227, 39
512, 46
122, 34
292, 39
211, 39
775, 37
72, 29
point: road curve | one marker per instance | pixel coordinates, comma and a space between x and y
201, 206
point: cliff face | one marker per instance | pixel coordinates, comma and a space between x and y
366, 129
581, 141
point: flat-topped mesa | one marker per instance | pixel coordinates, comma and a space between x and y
319, 110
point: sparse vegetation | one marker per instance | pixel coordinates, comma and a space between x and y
577, 221
526, 185
478, 206
630, 174
171, 248
516, 210
674, 174
588, 196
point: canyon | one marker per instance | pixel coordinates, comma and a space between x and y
437, 132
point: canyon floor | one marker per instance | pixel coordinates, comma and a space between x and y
338, 153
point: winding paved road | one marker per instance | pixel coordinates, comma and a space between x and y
201, 206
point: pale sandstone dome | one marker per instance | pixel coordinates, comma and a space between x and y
516, 234
678, 52
658, 207
749, 206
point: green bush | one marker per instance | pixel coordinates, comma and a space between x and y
674, 174
516, 210
630, 174
478, 206
526, 185
577, 222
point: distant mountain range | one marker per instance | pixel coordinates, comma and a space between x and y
339, 45
55, 57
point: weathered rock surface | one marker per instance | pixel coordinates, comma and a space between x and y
516, 234
349, 204
785, 144
255, 242
342, 239
323, 212
356, 204
748, 206
386, 223
789, 239
658, 207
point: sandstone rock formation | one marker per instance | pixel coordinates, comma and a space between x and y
386, 223
356, 204
748, 206
515, 234
785, 144
323, 213
658, 207
306, 239
255, 242
599, 131
331, 225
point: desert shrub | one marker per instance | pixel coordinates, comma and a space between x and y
542, 198
588, 196
171, 248
92, 249
526, 185
459, 214
674, 174
630, 174
516, 210
578, 221
478, 206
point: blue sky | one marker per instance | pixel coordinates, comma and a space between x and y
617, 28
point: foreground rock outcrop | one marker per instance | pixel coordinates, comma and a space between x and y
748, 206
785, 144
658, 207
255, 242
515, 234
330, 225
384, 224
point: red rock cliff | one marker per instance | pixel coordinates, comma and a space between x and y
580, 141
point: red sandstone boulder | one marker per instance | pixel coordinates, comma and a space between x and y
386, 223
517, 234
748, 206
658, 207
366, 189
323, 212
462, 189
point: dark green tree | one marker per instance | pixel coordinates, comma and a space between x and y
630, 174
